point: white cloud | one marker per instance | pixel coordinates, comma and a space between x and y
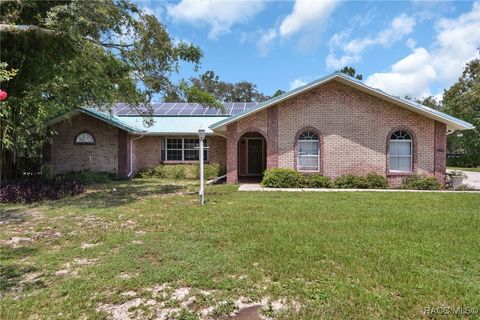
455, 44
306, 19
265, 42
219, 15
409, 76
411, 43
300, 81
352, 50
305, 14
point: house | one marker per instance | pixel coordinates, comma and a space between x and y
332, 126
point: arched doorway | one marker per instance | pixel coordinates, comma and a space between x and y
252, 156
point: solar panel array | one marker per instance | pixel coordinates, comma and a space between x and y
181, 109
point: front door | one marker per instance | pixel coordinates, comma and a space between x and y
255, 157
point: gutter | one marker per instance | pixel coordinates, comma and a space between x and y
131, 154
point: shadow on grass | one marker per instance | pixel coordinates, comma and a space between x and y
121, 193
12, 215
11, 275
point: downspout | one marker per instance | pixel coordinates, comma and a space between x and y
131, 155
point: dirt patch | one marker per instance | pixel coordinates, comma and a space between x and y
164, 301
89, 245
250, 313
126, 275
16, 242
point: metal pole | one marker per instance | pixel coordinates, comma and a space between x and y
202, 188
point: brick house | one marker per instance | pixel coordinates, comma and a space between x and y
332, 126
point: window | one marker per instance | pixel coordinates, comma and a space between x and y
84, 138
400, 151
308, 152
179, 149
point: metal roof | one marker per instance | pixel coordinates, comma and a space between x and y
187, 118
180, 109
170, 125
452, 122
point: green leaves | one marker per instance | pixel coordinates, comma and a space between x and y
462, 100
75, 53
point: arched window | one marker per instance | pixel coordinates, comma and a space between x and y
308, 155
400, 151
84, 138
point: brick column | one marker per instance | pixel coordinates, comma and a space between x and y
232, 153
440, 151
272, 137
123, 153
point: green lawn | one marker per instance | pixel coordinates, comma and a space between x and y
464, 169
148, 248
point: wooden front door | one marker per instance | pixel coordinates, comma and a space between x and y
255, 157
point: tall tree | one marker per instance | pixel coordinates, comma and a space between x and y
462, 100
209, 82
351, 72
73, 53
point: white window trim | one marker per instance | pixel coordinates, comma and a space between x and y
87, 134
183, 149
306, 156
400, 156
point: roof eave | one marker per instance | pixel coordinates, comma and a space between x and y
451, 124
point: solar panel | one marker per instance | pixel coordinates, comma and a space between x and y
181, 109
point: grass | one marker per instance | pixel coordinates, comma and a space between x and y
328, 255
465, 169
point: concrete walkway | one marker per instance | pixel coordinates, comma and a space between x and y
473, 179
257, 187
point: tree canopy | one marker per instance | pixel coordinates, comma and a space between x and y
209, 82
75, 53
351, 72
462, 100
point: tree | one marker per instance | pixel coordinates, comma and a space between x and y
76, 53
429, 101
279, 92
5, 75
462, 100
351, 72
209, 82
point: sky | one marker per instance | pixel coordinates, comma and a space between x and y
415, 48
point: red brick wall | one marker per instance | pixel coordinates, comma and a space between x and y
440, 151
353, 126
67, 156
123, 153
147, 150
111, 151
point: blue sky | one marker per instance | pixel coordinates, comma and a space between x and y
414, 48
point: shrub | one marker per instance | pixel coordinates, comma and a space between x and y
319, 181
47, 173
36, 190
89, 177
416, 182
463, 160
283, 178
151, 172
175, 172
170, 171
211, 170
350, 181
376, 181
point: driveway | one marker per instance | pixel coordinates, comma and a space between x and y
473, 179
